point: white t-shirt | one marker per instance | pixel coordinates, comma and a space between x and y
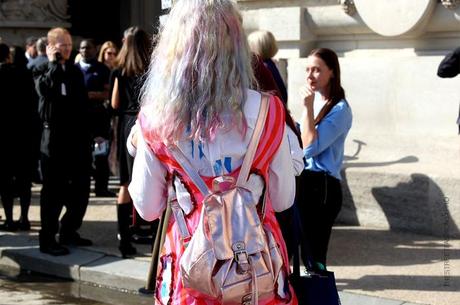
148, 187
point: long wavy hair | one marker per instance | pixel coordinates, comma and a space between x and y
336, 92
134, 55
199, 70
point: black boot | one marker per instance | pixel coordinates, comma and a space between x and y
124, 213
143, 232
24, 199
7, 201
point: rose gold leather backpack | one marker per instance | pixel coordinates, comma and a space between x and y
231, 257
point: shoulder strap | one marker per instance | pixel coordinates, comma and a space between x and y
248, 159
189, 169
252, 148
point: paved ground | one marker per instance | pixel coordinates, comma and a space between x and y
12, 293
372, 267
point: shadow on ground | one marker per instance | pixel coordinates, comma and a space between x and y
361, 247
399, 282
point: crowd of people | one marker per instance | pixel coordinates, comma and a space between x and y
64, 116
199, 91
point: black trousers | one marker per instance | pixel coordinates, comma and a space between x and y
101, 173
15, 181
319, 203
7, 189
65, 183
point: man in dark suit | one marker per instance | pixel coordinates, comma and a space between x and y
65, 146
96, 76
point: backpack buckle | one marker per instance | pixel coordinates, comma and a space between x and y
222, 184
179, 217
186, 241
246, 300
241, 257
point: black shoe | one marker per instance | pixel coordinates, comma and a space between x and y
53, 248
105, 193
142, 234
23, 225
9, 226
126, 249
74, 240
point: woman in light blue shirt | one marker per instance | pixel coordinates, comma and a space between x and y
323, 137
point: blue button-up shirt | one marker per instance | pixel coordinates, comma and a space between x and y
326, 152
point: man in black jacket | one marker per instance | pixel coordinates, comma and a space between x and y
450, 67
65, 146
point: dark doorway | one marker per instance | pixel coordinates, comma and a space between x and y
97, 19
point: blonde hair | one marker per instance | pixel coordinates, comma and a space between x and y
263, 43
54, 33
106, 45
199, 69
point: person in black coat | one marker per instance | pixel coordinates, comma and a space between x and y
25, 132
8, 80
65, 146
18, 121
450, 67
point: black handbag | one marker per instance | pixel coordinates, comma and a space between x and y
313, 287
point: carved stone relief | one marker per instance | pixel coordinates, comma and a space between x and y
450, 4
348, 6
396, 17
34, 10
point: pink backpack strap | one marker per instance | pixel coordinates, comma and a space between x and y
272, 136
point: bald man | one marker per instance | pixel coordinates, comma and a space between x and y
65, 146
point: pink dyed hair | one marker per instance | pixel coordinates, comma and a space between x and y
199, 70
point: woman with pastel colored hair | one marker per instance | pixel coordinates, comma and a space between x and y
108, 54
325, 124
132, 63
198, 96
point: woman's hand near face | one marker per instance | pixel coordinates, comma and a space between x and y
307, 122
308, 96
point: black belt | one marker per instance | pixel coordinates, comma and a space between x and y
319, 174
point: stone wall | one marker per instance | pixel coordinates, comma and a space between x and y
402, 168
20, 19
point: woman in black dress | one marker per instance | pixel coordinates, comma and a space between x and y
132, 62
